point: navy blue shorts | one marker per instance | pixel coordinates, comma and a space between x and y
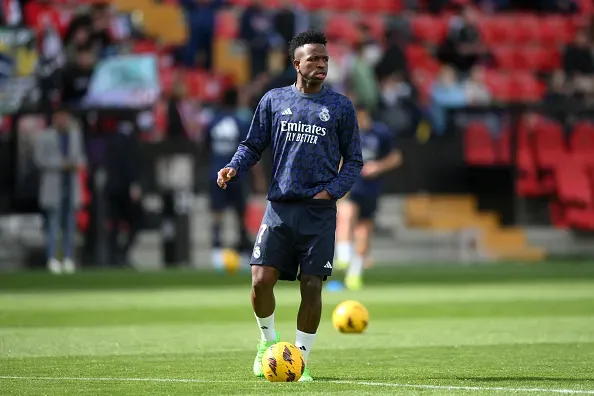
367, 205
234, 196
297, 238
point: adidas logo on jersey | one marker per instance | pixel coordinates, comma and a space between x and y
328, 265
287, 112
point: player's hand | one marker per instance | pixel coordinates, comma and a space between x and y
323, 195
224, 176
371, 170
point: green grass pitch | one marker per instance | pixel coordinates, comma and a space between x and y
434, 330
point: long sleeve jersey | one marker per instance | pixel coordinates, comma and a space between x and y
308, 134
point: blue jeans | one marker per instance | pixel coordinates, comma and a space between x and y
61, 219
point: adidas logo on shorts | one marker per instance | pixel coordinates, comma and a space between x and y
328, 265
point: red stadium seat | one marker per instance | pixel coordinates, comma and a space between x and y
549, 144
526, 87
428, 28
528, 29
499, 85
581, 143
376, 24
503, 28
558, 215
555, 29
505, 56
573, 184
478, 145
342, 26
227, 25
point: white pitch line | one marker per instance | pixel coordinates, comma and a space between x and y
339, 382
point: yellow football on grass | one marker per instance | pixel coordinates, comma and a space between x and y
350, 317
231, 260
283, 362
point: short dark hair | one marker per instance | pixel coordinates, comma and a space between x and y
308, 37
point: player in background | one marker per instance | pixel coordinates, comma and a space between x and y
356, 212
223, 134
309, 128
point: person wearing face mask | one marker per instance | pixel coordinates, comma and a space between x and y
397, 107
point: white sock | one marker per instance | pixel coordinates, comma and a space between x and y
356, 266
344, 251
266, 326
304, 341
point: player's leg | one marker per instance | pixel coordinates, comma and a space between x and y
363, 232
346, 215
362, 236
218, 203
317, 233
239, 201
272, 259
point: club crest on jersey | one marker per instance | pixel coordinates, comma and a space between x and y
324, 114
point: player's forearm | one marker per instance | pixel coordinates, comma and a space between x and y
340, 186
392, 161
245, 158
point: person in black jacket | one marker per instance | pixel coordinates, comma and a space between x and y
123, 193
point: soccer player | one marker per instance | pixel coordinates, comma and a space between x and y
356, 212
309, 128
223, 134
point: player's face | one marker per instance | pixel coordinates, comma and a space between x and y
311, 61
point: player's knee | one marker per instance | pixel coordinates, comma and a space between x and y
311, 285
263, 278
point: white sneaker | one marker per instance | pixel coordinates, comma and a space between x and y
68, 266
54, 266
217, 259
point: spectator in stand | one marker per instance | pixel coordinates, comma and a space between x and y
372, 49
289, 20
123, 191
200, 16
446, 93
363, 84
76, 77
557, 90
463, 46
257, 30
393, 59
477, 92
578, 58
397, 108
59, 154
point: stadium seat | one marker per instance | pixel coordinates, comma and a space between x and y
505, 56
526, 87
555, 29
226, 25
427, 28
478, 145
501, 28
558, 216
376, 24
529, 31
342, 26
549, 144
499, 85
581, 143
580, 218
573, 184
